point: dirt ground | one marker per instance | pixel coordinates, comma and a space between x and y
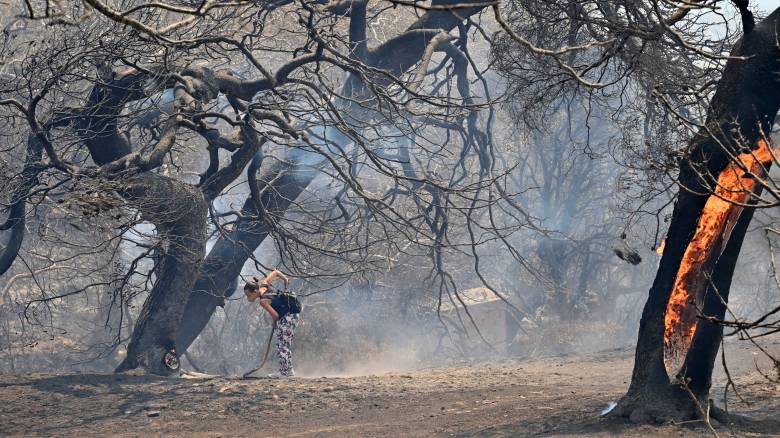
559, 396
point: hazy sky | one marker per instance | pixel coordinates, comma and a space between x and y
767, 5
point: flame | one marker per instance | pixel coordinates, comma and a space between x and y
717, 220
660, 249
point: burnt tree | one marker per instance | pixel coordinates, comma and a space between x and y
280, 183
166, 140
723, 93
733, 140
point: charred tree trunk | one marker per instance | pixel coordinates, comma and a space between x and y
740, 115
18, 203
178, 211
700, 361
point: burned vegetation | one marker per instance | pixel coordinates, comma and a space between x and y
442, 180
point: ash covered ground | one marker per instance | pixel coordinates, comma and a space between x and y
554, 396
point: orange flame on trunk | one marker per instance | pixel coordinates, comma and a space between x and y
717, 220
660, 249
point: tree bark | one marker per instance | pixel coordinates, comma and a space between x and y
18, 204
178, 211
700, 360
745, 105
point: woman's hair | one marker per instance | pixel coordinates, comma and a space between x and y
252, 284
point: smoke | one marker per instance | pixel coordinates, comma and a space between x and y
348, 336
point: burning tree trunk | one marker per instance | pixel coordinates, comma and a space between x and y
736, 185
728, 159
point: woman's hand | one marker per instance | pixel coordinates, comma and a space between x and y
284, 279
277, 273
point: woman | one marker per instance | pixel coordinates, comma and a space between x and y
283, 310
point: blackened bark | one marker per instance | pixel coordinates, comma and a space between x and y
357, 29
215, 180
745, 104
178, 211
15, 221
649, 367
700, 361
99, 123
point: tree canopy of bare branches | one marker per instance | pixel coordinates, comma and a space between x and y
325, 125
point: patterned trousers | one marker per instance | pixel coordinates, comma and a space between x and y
285, 330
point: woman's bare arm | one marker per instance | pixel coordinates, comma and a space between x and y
265, 303
277, 273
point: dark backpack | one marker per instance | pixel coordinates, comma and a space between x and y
293, 303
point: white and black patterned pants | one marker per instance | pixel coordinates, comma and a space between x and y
285, 330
